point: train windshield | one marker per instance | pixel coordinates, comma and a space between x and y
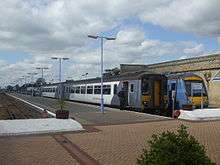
145, 86
195, 88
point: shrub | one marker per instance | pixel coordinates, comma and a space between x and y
61, 103
170, 148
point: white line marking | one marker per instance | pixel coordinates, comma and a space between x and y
51, 113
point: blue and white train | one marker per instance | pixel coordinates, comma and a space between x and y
143, 91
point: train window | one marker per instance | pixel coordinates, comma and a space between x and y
145, 87
106, 89
188, 87
78, 89
115, 89
131, 87
97, 89
89, 89
53, 89
72, 90
83, 89
192, 90
173, 86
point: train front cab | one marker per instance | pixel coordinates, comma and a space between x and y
154, 94
196, 96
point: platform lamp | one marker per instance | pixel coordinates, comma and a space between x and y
42, 70
101, 38
25, 81
60, 69
32, 76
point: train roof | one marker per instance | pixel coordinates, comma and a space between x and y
125, 76
110, 78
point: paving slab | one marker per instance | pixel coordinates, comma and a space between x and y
122, 144
37, 150
37, 126
112, 144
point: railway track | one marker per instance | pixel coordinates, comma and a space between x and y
11, 109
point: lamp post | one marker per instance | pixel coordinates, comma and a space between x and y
60, 65
25, 81
101, 38
60, 69
42, 70
32, 76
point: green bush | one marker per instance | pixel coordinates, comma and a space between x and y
170, 148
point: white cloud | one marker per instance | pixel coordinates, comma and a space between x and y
138, 50
60, 25
218, 39
47, 28
200, 17
195, 50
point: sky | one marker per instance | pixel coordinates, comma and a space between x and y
146, 31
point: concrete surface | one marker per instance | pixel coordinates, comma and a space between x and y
205, 114
90, 114
37, 126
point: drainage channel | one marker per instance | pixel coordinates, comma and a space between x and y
81, 156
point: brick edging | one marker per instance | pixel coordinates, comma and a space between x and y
81, 156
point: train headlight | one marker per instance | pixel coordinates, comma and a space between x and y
145, 103
190, 100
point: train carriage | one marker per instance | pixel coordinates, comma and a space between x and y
143, 91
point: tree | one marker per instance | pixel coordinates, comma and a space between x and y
171, 148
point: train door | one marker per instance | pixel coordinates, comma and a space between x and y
125, 89
157, 88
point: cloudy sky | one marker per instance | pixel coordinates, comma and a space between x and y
147, 31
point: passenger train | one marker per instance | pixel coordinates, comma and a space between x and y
146, 92
189, 89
